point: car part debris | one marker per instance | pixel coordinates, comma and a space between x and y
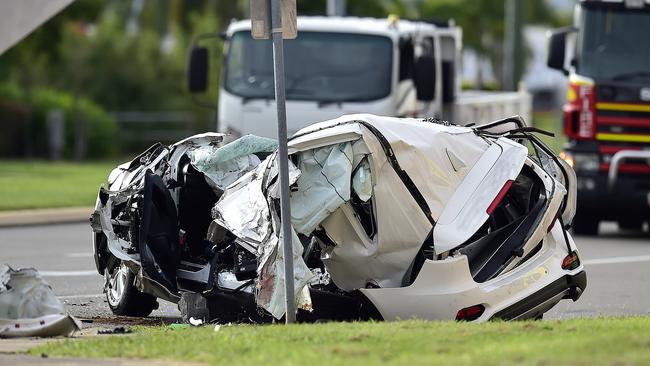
391, 218
116, 330
29, 307
196, 322
193, 308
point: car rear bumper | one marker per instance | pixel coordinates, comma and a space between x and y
570, 286
444, 287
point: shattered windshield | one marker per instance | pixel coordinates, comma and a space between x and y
319, 66
614, 44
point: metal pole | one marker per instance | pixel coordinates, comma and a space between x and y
509, 45
336, 8
513, 48
283, 159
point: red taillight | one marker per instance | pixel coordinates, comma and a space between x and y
499, 197
571, 261
470, 313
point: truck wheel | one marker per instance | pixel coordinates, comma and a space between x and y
122, 295
585, 225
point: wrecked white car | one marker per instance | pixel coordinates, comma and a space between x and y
392, 218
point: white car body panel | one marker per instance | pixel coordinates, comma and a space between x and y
429, 297
466, 210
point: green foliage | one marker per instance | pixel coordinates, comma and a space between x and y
88, 52
100, 128
551, 122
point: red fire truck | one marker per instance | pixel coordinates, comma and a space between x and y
606, 56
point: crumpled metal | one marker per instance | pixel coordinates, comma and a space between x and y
323, 186
247, 210
29, 307
224, 165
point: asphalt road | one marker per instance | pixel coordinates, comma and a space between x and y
618, 267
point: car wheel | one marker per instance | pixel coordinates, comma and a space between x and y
122, 295
586, 225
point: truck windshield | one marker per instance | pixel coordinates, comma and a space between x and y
614, 44
323, 67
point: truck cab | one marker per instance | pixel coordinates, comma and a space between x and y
343, 65
336, 66
606, 56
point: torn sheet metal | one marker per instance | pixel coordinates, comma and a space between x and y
270, 286
116, 245
29, 307
222, 166
243, 210
248, 213
323, 186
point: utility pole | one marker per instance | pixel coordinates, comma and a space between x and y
513, 58
336, 8
283, 24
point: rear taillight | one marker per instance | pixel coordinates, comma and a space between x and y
470, 313
499, 197
571, 261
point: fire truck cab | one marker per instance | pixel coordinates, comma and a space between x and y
606, 56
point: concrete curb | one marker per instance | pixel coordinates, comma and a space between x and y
45, 216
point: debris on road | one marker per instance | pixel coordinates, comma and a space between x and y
116, 330
29, 307
196, 322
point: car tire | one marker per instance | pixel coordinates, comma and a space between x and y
586, 225
123, 297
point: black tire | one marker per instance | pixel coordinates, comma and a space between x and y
586, 225
124, 298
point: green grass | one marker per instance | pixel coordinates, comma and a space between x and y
604, 341
551, 122
43, 184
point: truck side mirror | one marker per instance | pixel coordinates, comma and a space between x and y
197, 70
555, 58
424, 78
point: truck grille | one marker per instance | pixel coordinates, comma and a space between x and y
623, 126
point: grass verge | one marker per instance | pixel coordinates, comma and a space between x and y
551, 122
603, 341
26, 184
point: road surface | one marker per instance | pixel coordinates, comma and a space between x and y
618, 267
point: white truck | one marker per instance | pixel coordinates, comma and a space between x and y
343, 65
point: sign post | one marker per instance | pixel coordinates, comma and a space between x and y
277, 19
